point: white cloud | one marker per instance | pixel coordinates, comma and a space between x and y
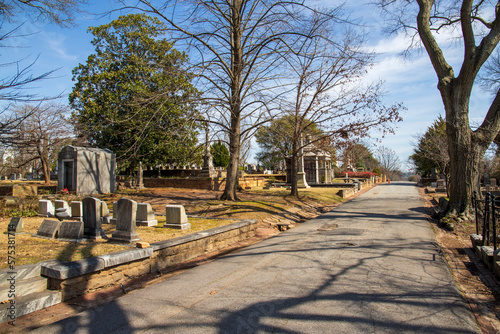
56, 42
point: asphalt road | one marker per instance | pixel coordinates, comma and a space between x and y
372, 265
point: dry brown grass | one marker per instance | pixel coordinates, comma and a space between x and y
258, 204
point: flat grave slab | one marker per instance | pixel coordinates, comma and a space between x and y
49, 228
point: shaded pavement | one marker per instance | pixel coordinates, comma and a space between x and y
369, 266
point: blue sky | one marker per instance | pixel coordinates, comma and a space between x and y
408, 80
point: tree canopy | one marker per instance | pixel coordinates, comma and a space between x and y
133, 96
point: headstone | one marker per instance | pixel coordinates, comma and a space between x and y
176, 217
440, 186
125, 221
45, 208
493, 182
105, 215
115, 210
62, 209
13, 176
91, 217
145, 215
15, 225
76, 210
49, 228
71, 230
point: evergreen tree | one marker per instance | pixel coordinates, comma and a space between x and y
220, 154
132, 95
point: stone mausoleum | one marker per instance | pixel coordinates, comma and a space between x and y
86, 171
317, 165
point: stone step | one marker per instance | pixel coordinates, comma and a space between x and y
22, 272
29, 304
23, 287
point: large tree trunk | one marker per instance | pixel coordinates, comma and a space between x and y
232, 168
466, 150
46, 170
464, 171
237, 65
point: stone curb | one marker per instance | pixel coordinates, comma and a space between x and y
63, 270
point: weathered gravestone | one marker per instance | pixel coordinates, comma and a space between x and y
145, 215
62, 209
71, 230
49, 228
176, 217
441, 186
126, 213
15, 225
76, 210
113, 219
91, 218
45, 208
105, 215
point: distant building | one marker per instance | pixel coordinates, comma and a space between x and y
86, 171
317, 165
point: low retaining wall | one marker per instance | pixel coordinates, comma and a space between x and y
216, 183
79, 277
187, 183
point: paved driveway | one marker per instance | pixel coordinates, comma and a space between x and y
370, 266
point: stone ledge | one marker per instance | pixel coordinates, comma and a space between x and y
201, 235
65, 270
125, 256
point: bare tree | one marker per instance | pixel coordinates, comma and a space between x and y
389, 162
327, 67
237, 47
42, 134
17, 75
478, 23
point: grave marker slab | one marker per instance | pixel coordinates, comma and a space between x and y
71, 230
91, 217
49, 228
125, 221
76, 210
145, 215
176, 217
15, 225
105, 215
45, 208
113, 219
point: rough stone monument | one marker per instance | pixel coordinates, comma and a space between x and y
176, 217
91, 218
125, 221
